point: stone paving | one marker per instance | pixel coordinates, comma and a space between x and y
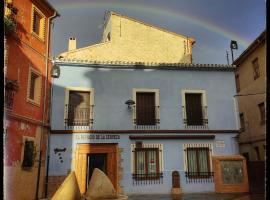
202, 196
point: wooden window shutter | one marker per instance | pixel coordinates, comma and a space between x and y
194, 109
145, 108
42, 28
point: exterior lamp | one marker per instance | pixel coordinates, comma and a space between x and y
129, 103
55, 71
233, 46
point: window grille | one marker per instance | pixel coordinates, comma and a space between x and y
147, 164
79, 112
198, 166
145, 111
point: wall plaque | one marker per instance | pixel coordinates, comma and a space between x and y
220, 143
232, 171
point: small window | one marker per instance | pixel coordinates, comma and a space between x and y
29, 154
108, 37
34, 87
38, 23
256, 68
262, 112
242, 121
237, 82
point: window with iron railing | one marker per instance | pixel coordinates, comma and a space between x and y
194, 112
145, 110
147, 165
198, 164
79, 111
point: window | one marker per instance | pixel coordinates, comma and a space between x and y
146, 110
262, 112
237, 82
256, 68
79, 107
147, 160
34, 87
194, 109
38, 23
198, 162
242, 122
29, 154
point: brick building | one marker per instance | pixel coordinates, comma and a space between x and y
27, 94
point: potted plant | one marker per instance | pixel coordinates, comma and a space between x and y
10, 24
11, 85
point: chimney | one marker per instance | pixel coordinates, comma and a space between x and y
72, 43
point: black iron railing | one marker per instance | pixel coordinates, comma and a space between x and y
201, 123
147, 179
199, 177
146, 117
78, 116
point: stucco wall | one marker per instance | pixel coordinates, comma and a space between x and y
113, 87
173, 159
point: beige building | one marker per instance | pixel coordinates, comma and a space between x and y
129, 40
251, 95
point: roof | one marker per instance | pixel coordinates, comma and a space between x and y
145, 65
50, 6
252, 47
156, 27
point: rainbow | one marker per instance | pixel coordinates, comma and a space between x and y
166, 12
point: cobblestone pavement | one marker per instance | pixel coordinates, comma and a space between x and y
203, 196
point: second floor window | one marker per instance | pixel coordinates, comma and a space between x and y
38, 23
146, 109
194, 109
256, 68
79, 109
34, 87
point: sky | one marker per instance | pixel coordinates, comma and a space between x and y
213, 23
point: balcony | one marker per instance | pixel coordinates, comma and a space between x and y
78, 117
146, 117
195, 120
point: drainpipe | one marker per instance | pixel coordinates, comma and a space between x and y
44, 100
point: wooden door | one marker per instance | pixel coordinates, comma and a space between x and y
83, 150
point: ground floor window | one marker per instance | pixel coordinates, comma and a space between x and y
147, 164
198, 163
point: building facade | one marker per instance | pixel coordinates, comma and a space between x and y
152, 123
250, 78
27, 95
123, 35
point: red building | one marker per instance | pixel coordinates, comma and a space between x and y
27, 96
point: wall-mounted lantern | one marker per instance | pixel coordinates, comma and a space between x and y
55, 71
130, 103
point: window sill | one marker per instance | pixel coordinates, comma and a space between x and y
38, 37
33, 102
